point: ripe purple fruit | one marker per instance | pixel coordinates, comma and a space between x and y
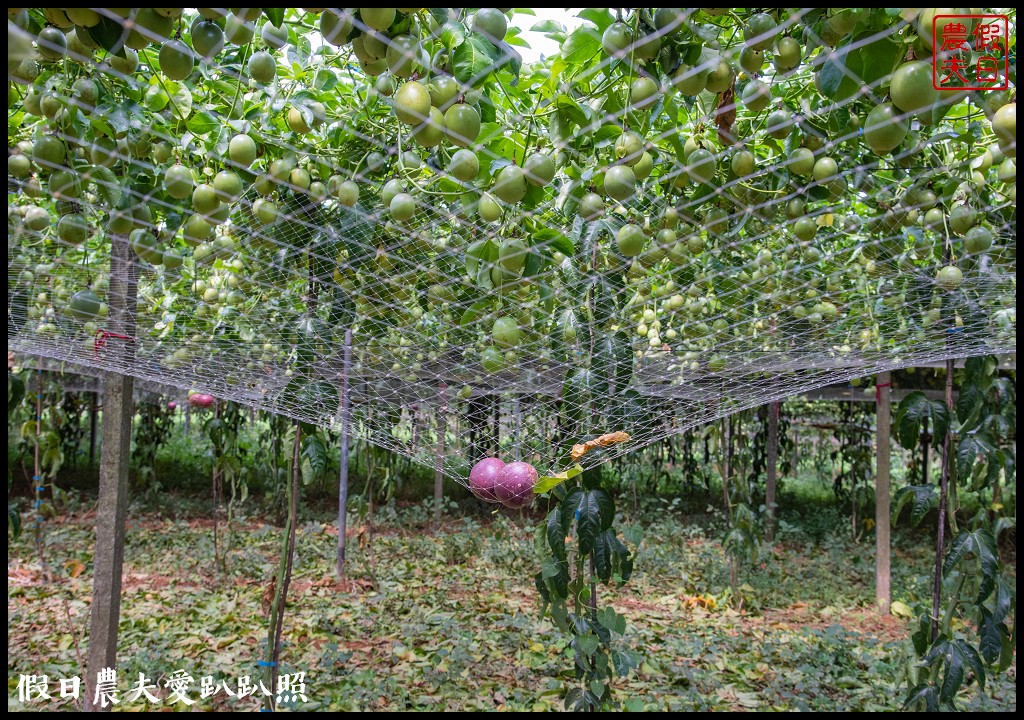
483, 479
514, 487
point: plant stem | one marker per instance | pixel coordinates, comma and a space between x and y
216, 488
947, 620
284, 575
943, 487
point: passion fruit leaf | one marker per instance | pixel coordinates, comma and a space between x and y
592, 511
546, 483
860, 61
581, 46
475, 311
473, 60
274, 15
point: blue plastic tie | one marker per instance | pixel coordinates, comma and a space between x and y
41, 488
264, 663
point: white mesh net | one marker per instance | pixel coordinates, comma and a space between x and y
679, 214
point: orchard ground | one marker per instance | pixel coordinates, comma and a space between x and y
445, 617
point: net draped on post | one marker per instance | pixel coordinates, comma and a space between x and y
680, 214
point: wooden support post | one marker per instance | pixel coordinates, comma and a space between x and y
773, 462
343, 475
112, 504
882, 453
93, 412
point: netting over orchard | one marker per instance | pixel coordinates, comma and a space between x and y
680, 214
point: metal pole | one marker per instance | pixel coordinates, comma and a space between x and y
343, 475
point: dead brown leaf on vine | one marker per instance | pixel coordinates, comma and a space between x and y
607, 440
725, 115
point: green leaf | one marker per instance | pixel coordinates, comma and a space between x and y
990, 637
554, 533
274, 15
554, 239
536, 263
832, 73
953, 677
602, 17
570, 110
911, 414
1005, 599
605, 134
110, 119
588, 644
1007, 654
921, 637
314, 454
453, 34
969, 448
204, 122
603, 557
860, 61
107, 185
560, 615
612, 620
475, 311
623, 661
548, 26
582, 45
511, 60
922, 696
549, 567
980, 370
593, 511
921, 496
981, 544
181, 99
109, 35
973, 660
548, 483
969, 404
473, 60
440, 15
